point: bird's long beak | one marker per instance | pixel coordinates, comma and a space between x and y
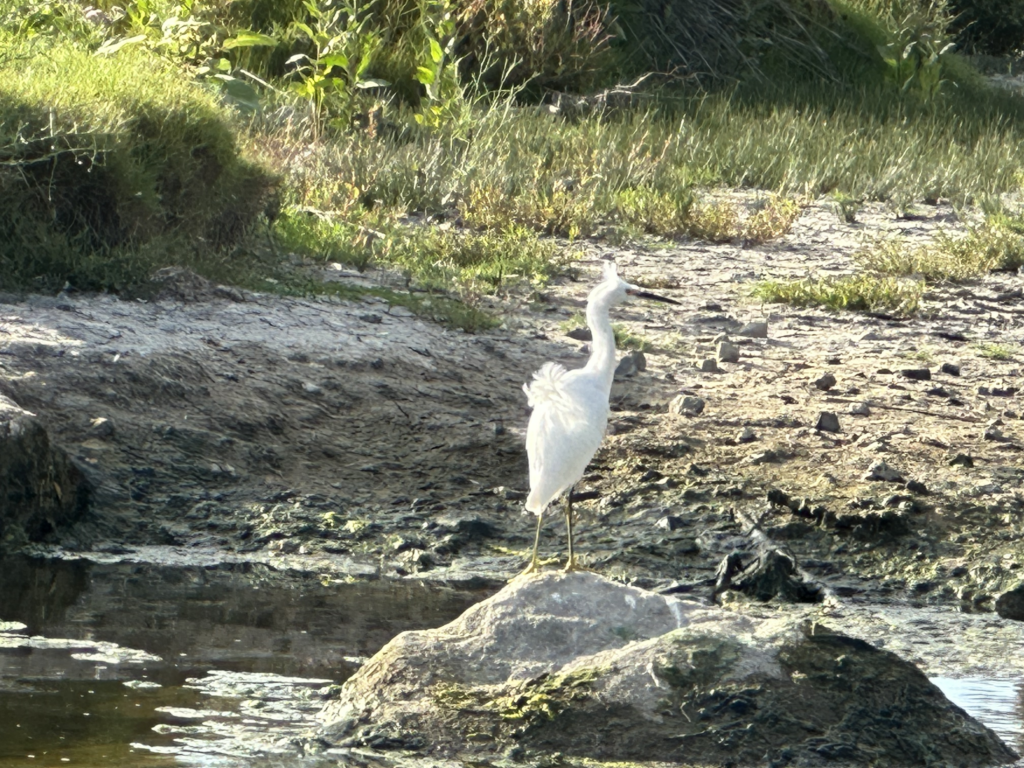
651, 296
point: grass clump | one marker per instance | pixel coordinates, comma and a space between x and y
989, 247
992, 351
107, 168
863, 293
774, 219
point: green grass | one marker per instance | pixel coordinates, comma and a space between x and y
111, 168
864, 293
994, 245
994, 351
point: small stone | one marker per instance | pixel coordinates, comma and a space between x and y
833, 360
860, 409
101, 427
371, 317
828, 421
883, 371
727, 353
1010, 605
311, 389
580, 334
994, 434
950, 368
916, 486
765, 457
825, 382
747, 435
938, 392
708, 365
720, 338
962, 460
687, 405
627, 367
879, 470
670, 523
916, 374
755, 330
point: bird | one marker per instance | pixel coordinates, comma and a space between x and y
570, 409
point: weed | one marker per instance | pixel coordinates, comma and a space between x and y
774, 219
626, 339
991, 246
716, 222
845, 206
864, 293
992, 351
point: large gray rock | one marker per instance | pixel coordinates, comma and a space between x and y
40, 489
577, 664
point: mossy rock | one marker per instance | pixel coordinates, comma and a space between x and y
40, 489
579, 665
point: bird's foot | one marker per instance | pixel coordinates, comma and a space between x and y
535, 566
573, 566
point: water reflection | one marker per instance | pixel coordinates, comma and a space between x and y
101, 664
999, 704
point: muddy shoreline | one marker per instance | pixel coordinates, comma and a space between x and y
352, 440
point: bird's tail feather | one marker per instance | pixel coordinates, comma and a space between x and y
546, 386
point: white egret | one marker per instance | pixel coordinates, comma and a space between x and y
570, 409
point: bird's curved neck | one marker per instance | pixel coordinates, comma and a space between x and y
602, 346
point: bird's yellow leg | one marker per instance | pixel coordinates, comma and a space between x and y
571, 565
535, 562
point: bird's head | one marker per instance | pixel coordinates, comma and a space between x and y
618, 290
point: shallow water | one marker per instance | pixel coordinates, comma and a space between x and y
112, 665
998, 703
128, 664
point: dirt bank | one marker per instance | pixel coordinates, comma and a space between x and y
352, 435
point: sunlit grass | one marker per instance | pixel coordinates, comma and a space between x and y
864, 293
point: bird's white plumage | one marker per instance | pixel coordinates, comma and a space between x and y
570, 409
570, 413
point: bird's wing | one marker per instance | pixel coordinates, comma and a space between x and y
547, 385
565, 430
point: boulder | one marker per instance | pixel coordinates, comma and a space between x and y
40, 489
579, 665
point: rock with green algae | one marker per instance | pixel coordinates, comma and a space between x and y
583, 666
40, 489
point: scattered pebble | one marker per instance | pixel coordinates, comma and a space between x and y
686, 405
311, 389
101, 427
371, 317
708, 365
994, 434
916, 486
755, 330
580, 334
1010, 605
879, 470
916, 374
938, 392
828, 421
950, 368
747, 435
860, 409
961, 460
727, 353
670, 523
825, 382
